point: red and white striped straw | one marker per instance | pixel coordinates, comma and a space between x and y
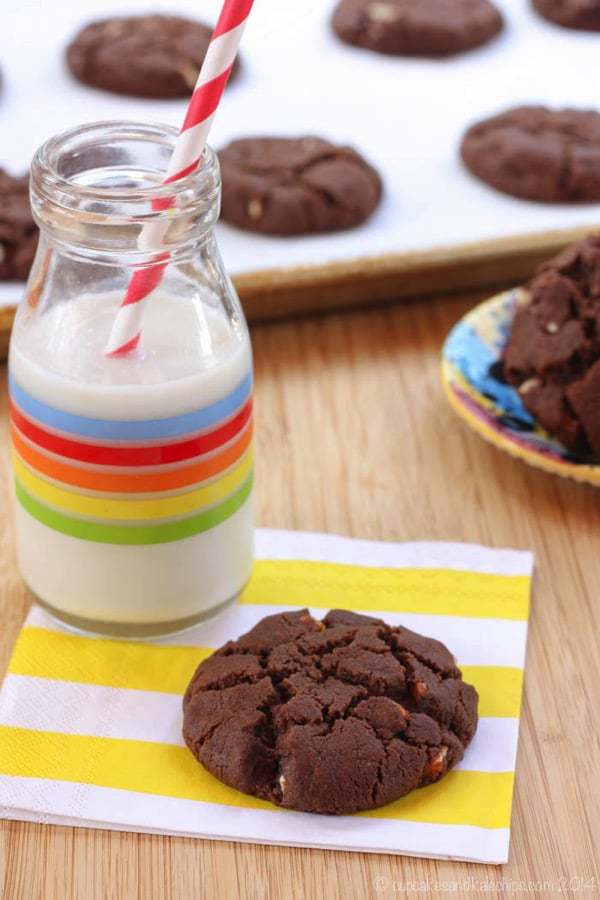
187, 154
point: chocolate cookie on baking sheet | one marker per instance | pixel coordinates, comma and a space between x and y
331, 716
423, 28
582, 15
537, 153
291, 186
143, 56
18, 231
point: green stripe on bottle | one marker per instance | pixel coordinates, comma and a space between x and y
135, 534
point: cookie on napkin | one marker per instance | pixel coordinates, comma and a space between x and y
332, 716
90, 729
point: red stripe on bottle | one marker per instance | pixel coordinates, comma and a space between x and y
157, 455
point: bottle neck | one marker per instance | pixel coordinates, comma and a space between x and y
97, 193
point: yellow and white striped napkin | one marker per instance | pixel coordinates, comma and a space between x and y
90, 729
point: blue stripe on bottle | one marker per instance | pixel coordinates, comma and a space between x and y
118, 430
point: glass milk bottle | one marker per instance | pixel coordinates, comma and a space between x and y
133, 474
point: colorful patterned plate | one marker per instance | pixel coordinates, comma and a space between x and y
494, 409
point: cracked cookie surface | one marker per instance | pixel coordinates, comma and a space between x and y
427, 28
291, 186
537, 153
143, 56
329, 717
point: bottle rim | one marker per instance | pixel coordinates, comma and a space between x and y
46, 162
78, 202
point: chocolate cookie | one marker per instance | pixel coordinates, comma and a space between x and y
289, 186
583, 15
553, 354
18, 231
329, 717
423, 28
144, 56
537, 153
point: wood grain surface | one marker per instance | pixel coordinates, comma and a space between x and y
354, 436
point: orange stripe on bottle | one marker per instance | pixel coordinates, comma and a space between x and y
130, 483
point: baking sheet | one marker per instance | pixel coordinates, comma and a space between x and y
405, 115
